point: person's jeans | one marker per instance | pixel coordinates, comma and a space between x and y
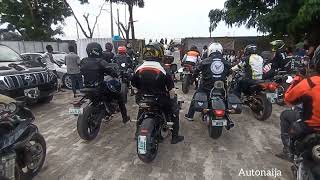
76, 79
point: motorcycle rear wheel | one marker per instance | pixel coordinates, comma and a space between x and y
214, 132
185, 84
88, 124
262, 110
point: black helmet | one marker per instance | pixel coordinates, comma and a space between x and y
193, 48
277, 45
250, 49
94, 50
316, 59
109, 46
153, 51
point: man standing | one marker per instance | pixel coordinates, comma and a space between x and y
50, 64
108, 55
72, 61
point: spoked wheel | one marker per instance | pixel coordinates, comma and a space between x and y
67, 82
261, 108
33, 158
88, 124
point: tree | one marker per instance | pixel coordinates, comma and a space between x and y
86, 18
34, 19
277, 17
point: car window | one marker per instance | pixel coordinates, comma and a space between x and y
8, 55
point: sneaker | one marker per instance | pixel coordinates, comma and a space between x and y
177, 139
188, 118
285, 156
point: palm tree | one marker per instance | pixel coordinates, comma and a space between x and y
130, 3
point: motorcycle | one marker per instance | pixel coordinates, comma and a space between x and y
97, 106
186, 77
170, 66
255, 96
216, 109
125, 76
155, 126
22, 147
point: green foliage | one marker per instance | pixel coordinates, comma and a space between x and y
278, 17
34, 19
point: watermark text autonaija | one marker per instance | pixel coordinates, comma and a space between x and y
274, 172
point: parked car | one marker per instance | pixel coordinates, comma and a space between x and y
62, 71
24, 79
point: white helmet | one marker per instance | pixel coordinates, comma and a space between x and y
215, 47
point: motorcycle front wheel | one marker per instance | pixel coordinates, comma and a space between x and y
32, 156
88, 124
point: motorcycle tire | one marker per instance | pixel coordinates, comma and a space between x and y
124, 92
86, 120
304, 173
266, 108
21, 174
214, 132
151, 153
185, 84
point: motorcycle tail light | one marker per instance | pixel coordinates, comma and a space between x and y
144, 131
219, 113
272, 86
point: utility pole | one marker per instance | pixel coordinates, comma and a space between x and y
111, 15
118, 22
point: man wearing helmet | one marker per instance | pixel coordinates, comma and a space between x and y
94, 68
252, 64
122, 57
213, 68
192, 57
108, 54
279, 60
130, 51
152, 78
303, 91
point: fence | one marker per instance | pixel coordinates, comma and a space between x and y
37, 46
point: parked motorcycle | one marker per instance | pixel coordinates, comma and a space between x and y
97, 106
22, 147
216, 108
186, 77
255, 97
155, 126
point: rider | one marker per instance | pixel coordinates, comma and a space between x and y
152, 78
130, 51
192, 57
122, 57
93, 68
108, 54
253, 69
304, 91
279, 60
213, 68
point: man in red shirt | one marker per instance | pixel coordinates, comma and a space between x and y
305, 92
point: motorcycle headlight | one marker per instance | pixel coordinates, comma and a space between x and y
123, 65
2, 107
12, 107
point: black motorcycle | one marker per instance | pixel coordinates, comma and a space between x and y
216, 108
22, 147
255, 96
97, 106
155, 126
186, 77
126, 74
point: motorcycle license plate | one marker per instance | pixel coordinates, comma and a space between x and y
272, 97
219, 122
75, 110
142, 144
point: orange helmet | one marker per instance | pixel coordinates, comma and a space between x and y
122, 49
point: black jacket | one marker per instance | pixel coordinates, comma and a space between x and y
119, 59
279, 60
94, 70
108, 56
131, 53
152, 78
213, 68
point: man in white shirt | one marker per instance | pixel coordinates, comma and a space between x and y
50, 63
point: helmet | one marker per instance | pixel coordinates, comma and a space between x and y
250, 49
129, 45
214, 48
153, 50
94, 50
122, 49
109, 46
113, 85
316, 59
193, 48
277, 44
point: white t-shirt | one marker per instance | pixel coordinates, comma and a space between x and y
49, 63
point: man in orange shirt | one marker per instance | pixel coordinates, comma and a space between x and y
304, 91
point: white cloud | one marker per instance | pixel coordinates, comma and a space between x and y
159, 18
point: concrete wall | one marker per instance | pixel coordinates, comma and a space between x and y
37, 46
82, 44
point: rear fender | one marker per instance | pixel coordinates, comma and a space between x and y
217, 102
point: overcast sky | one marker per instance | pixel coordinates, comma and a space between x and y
159, 18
